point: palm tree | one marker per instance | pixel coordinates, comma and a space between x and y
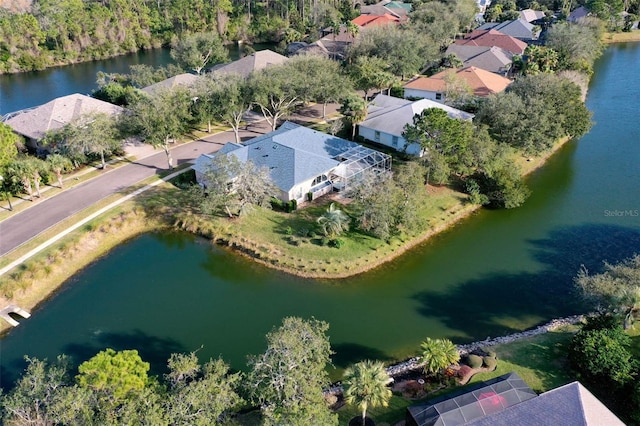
334, 221
365, 385
59, 164
438, 354
354, 109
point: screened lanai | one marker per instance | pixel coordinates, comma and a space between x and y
356, 163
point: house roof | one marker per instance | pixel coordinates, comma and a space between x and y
375, 20
180, 80
475, 402
398, 5
518, 28
293, 154
248, 64
493, 37
53, 115
531, 15
482, 82
490, 58
576, 14
570, 404
389, 115
380, 9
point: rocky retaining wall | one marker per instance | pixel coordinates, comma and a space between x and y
413, 364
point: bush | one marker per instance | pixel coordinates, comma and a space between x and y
490, 362
474, 361
325, 241
293, 205
309, 196
337, 243
276, 204
489, 352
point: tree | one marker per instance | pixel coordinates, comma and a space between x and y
602, 356
578, 45
225, 99
276, 91
41, 395
438, 354
334, 221
113, 377
160, 118
288, 378
458, 93
370, 73
435, 131
234, 187
540, 59
365, 385
59, 164
354, 110
616, 289
21, 170
195, 51
94, 133
8, 145
200, 395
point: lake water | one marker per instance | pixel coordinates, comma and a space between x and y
495, 273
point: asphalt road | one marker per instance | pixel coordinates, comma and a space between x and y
29, 223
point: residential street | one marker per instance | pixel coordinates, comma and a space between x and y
28, 223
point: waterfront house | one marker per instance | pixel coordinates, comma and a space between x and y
302, 161
508, 401
34, 123
482, 83
250, 63
185, 80
517, 28
387, 117
490, 58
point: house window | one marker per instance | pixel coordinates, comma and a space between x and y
318, 180
376, 136
394, 141
438, 96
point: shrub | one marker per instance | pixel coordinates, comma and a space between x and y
276, 204
463, 370
337, 243
293, 205
489, 352
325, 241
309, 196
474, 361
288, 230
304, 232
490, 362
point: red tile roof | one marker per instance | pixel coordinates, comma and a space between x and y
374, 20
493, 38
483, 83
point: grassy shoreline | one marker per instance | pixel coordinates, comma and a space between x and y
624, 37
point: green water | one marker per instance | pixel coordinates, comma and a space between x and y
495, 273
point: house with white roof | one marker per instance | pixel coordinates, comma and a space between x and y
34, 123
302, 161
387, 117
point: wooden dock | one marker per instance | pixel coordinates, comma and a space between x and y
13, 309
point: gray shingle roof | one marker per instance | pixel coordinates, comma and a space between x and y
568, 405
293, 154
518, 28
53, 115
248, 64
183, 80
490, 58
389, 114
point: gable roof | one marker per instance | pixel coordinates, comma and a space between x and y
493, 37
380, 9
375, 20
482, 82
570, 404
474, 402
293, 154
256, 61
389, 114
53, 115
180, 80
518, 28
490, 58
531, 15
577, 14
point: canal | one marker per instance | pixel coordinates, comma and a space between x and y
495, 273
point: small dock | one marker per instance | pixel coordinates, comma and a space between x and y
13, 309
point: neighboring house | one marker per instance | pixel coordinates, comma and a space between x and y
181, 80
531, 15
508, 401
302, 161
334, 46
518, 28
256, 61
490, 58
483, 83
387, 117
387, 8
375, 20
34, 123
493, 37
577, 14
